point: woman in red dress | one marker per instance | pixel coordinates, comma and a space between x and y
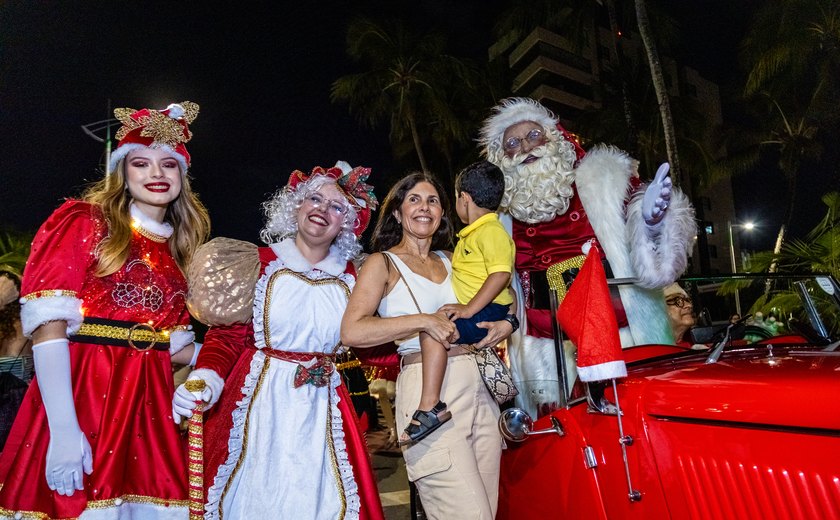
104, 301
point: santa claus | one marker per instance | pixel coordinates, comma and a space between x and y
560, 198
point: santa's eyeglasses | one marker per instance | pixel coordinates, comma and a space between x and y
534, 138
679, 301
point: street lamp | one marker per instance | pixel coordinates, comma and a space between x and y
748, 226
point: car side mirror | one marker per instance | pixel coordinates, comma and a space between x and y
516, 425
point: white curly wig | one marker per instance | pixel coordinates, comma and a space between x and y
281, 216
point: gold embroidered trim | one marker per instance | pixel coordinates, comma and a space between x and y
160, 127
257, 388
98, 504
195, 385
333, 460
154, 237
554, 275
48, 293
124, 333
348, 364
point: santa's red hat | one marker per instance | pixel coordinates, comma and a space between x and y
351, 181
588, 319
165, 129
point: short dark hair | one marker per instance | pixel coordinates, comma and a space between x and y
388, 231
484, 182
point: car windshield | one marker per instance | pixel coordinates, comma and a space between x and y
730, 312
766, 306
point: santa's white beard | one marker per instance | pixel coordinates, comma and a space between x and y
541, 190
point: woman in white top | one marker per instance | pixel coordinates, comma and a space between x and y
455, 468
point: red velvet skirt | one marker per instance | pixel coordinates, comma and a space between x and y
123, 402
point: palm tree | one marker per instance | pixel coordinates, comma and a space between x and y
643, 23
409, 82
14, 250
793, 46
792, 53
791, 139
817, 253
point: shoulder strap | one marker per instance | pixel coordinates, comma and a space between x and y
390, 261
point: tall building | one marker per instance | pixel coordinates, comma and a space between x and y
564, 77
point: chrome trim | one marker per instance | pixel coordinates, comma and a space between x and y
589, 459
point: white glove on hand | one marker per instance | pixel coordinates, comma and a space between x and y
69, 453
657, 196
184, 401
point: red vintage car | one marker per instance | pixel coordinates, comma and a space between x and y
739, 430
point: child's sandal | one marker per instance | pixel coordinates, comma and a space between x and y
423, 423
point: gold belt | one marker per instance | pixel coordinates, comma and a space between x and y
140, 336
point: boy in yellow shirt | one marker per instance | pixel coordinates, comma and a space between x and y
481, 268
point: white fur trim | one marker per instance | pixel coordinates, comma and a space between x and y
533, 366
287, 250
508, 113
237, 436
163, 229
661, 257
175, 111
36, 312
603, 185
180, 338
123, 150
600, 372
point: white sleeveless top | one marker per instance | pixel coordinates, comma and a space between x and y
430, 296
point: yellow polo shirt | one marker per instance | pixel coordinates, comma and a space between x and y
484, 248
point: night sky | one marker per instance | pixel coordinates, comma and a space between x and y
261, 73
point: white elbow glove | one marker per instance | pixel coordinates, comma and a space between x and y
184, 401
69, 453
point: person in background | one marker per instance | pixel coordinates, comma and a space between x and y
283, 439
680, 313
104, 301
16, 366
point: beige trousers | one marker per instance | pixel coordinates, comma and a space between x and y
455, 468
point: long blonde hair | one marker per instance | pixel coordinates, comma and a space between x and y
187, 214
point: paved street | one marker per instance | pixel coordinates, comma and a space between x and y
389, 467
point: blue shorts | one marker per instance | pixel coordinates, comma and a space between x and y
467, 329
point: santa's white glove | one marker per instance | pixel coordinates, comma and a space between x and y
69, 453
657, 196
184, 401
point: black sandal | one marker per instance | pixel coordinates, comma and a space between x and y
425, 422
